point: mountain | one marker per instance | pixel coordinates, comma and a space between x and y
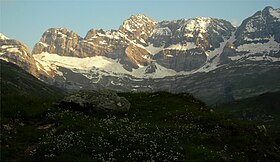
207, 57
17, 53
17, 82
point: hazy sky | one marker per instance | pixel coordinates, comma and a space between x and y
26, 20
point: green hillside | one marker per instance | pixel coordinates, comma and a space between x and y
263, 109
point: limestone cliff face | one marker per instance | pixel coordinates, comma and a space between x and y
129, 44
181, 60
137, 55
259, 27
204, 32
112, 44
138, 28
179, 45
16, 52
59, 41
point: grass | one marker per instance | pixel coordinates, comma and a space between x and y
159, 127
263, 109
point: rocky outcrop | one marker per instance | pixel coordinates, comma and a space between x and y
181, 60
137, 55
111, 44
17, 53
138, 28
95, 101
228, 51
59, 41
204, 32
259, 28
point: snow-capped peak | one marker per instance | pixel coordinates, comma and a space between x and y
3, 37
142, 17
137, 21
199, 23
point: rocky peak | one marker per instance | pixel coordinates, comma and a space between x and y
59, 41
91, 33
259, 28
3, 37
11, 46
138, 28
17, 53
199, 24
204, 32
270, 11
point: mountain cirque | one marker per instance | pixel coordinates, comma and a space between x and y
208, 57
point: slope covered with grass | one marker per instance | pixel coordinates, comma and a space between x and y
263, 109
22, 94
159, 126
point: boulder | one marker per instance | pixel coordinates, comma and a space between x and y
95, 101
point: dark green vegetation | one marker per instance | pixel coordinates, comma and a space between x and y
159, 126
22, 93
263, 109
23, 100
17, 82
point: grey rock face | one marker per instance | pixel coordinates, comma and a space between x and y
227, 52
95, 101
181, 60
259, 27
206, 33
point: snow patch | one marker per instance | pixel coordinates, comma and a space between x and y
169, 55
250, 27
275, 13
127, 27
98, 65
183, 47
198, 24
59, 73
255, 58
267, 47
103, 42
7, 46
61, 34
142, 41
44, 44
5, 59
14, 50
3, 37
162, 31
153, 50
